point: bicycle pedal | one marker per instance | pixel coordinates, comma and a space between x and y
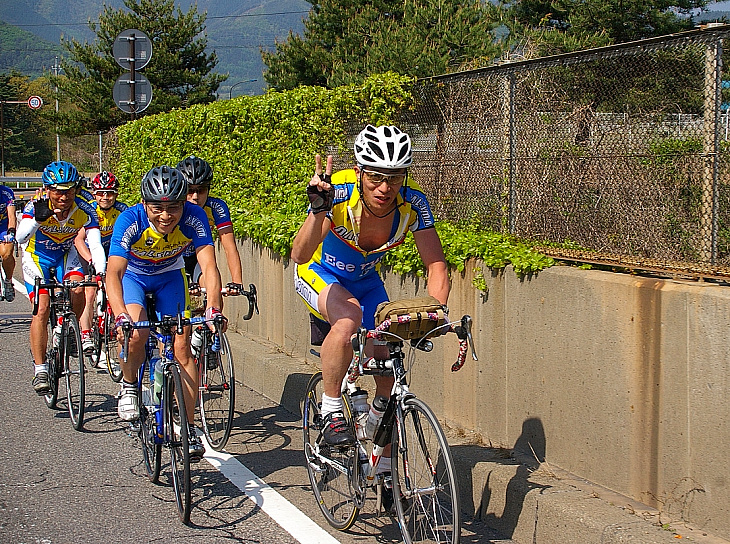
134, 428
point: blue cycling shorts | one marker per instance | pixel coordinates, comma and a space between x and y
169, 288
310, 280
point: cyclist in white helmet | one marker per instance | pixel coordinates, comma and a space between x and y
355, 216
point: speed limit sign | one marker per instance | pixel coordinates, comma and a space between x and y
35, 102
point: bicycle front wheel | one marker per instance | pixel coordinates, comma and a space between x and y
111, 348
55, 365
217, 393
151, 445
176, 428
330, 468
73, 367
424, 479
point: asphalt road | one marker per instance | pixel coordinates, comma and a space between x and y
58, 485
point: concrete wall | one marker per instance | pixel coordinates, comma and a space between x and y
621, 380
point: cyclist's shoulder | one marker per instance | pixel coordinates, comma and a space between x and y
6, 191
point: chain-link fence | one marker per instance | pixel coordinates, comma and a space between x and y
617, 155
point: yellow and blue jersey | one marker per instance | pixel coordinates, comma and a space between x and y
339, 252
7, 198
106, 219
218, 216
54, 238
149, 252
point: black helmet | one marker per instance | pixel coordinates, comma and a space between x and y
164, 184
196, 171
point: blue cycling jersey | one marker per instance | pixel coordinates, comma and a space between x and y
7, 198
149, 252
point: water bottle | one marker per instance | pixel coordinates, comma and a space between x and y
375, 416
360, 407
196, 340
158, 378
57, 332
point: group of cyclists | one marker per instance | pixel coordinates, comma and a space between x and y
355, 216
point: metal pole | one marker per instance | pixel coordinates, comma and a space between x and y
58, 139
2, 130
100, 168
710, 148
133, 83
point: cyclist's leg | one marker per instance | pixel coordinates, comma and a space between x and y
8, 264
172, 296
34, 267
329, 300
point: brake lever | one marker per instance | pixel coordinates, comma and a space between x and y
466, 326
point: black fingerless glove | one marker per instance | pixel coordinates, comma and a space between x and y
43, 211
319, 199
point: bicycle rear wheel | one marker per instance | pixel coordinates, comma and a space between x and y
217, 393
53, 360
330, 468
151, 447
424, 478
73, 358
111, 348
176, 428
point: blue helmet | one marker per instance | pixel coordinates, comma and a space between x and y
61, 175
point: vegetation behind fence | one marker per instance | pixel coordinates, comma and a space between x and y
619, 155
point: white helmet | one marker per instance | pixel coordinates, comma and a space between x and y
383, 147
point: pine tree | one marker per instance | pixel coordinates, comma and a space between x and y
180, 71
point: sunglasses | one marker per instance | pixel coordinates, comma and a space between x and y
61, 191
105, 193
192, 189
172, 208
376, 178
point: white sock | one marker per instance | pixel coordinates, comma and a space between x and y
331, 404
40, 368
383, 465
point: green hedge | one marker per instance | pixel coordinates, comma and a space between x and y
262, 150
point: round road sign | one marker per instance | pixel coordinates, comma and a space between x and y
122, 93
131, 45
35, 102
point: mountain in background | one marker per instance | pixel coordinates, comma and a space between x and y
236, 30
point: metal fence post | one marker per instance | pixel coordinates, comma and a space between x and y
710, 150
508, 119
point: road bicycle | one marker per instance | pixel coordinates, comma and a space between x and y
103, 335
424, 481
217, 379
64, 356
163, 419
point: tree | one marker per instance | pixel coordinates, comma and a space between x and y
622, 20
180, 71
27, 143
346, 40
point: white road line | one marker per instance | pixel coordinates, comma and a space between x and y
288, 516
292, 520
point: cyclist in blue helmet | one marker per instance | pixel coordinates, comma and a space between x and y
46, 232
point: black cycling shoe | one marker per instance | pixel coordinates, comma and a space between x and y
41, 383
195, 445
337, 431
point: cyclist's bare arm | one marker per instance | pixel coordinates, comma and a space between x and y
116, 267
432, 255
12, 218
316, 226
211, 277
228, 241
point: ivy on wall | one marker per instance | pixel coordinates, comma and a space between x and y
262, 150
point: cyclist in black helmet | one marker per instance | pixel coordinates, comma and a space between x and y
200, 177
145, 256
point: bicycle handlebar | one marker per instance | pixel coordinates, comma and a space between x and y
461, 328
227, 291
54, 284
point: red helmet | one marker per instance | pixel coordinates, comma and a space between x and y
105, 181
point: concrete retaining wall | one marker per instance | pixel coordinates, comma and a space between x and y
621, 380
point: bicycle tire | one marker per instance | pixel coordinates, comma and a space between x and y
424, 478
73, 369
331, 481
111, 349
151, 447
176, 429
97, 335
53, 360
217, 392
